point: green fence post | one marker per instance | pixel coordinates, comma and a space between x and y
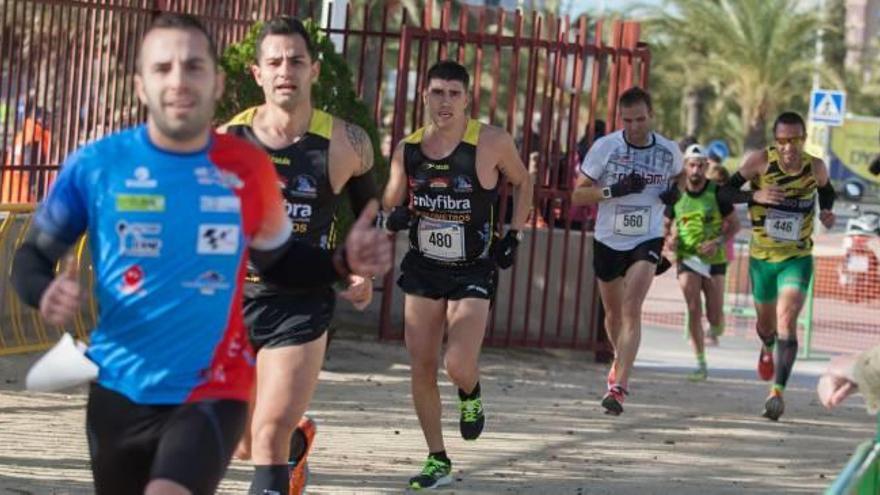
807, 321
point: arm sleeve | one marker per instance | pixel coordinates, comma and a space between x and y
725, 207
731, 191
33, 266
64, 214
361, 189
593, 165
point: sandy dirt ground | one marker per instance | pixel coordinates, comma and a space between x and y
545, 431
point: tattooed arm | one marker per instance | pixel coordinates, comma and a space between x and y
351, 160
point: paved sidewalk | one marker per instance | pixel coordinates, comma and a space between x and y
545, 430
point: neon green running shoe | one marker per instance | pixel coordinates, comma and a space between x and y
436, 473
472, 419
698, 375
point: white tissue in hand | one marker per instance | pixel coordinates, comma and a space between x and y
64, 366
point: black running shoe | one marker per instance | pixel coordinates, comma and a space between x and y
774, 406
613, 400
472, 419
435, 473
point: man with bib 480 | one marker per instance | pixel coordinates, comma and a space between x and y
451, 170
631, 174
784, 183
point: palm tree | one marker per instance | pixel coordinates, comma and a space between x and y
757, 56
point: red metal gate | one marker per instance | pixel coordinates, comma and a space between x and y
66, 69
538, 78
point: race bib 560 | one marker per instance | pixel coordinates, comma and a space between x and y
632, 220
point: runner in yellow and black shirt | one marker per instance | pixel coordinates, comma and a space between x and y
316, 156
784, 182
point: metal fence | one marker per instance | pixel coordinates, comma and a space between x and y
838, 317
66, 70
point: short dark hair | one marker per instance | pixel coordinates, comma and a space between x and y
633, 96
172, 20
284, 25
789, 118
449, 70
687, 141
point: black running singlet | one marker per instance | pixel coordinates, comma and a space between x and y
304, 178
303, 175
455, 213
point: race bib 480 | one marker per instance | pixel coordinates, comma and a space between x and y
441, 240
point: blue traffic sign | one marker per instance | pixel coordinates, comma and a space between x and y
827, 106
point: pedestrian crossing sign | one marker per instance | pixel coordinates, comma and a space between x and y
827, 106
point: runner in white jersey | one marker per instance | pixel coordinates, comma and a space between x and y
631, 174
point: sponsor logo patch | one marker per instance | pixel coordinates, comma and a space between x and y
151, 203
220, 204
132, 280
141, 179
208, 283
139, 239
304, 186
209, 176
462, 184
218, 239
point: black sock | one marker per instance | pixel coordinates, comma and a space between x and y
475, 393
297, 446
768, 340
440, 456
273, 479
786, 353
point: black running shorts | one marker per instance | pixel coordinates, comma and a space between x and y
422, 277
282, 320
610, 264
131, 444
716, 269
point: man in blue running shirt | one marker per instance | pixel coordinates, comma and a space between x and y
170, 209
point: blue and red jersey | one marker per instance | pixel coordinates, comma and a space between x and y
168, 233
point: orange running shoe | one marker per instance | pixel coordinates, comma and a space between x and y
765, 364
299, 466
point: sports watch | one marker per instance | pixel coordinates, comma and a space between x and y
606, 193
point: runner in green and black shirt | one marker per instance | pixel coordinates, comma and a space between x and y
701, 223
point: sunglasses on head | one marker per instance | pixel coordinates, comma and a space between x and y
797, 140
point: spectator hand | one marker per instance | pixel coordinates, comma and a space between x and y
837, 383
